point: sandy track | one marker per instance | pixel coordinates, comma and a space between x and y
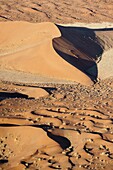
28, 78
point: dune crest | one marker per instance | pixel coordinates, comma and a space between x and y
56, 85
70, 53
28, 47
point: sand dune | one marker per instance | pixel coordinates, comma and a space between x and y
54, 51
32, 51
50, 118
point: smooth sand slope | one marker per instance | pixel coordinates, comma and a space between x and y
48, 122
28, 47
55, 51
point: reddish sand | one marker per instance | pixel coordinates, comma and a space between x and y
71, 128
57, 11
56, 85
28, 47
60, 52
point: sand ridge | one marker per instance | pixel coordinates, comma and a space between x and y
60, 52
49, 117
40, 58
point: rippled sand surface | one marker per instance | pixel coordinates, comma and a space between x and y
56, 85
68, 128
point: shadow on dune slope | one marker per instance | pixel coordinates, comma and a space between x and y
81, 47
55, 52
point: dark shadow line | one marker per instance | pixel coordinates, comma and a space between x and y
63, 141
6, 95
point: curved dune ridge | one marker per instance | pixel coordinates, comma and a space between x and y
46, 49
56, 85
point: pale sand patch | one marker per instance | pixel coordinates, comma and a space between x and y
105, 66
90, 25
22, 77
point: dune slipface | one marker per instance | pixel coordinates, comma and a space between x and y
29, 48
70, 53
47, 121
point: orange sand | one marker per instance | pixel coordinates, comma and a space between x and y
28, 47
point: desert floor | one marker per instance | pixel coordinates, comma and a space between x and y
55, 123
